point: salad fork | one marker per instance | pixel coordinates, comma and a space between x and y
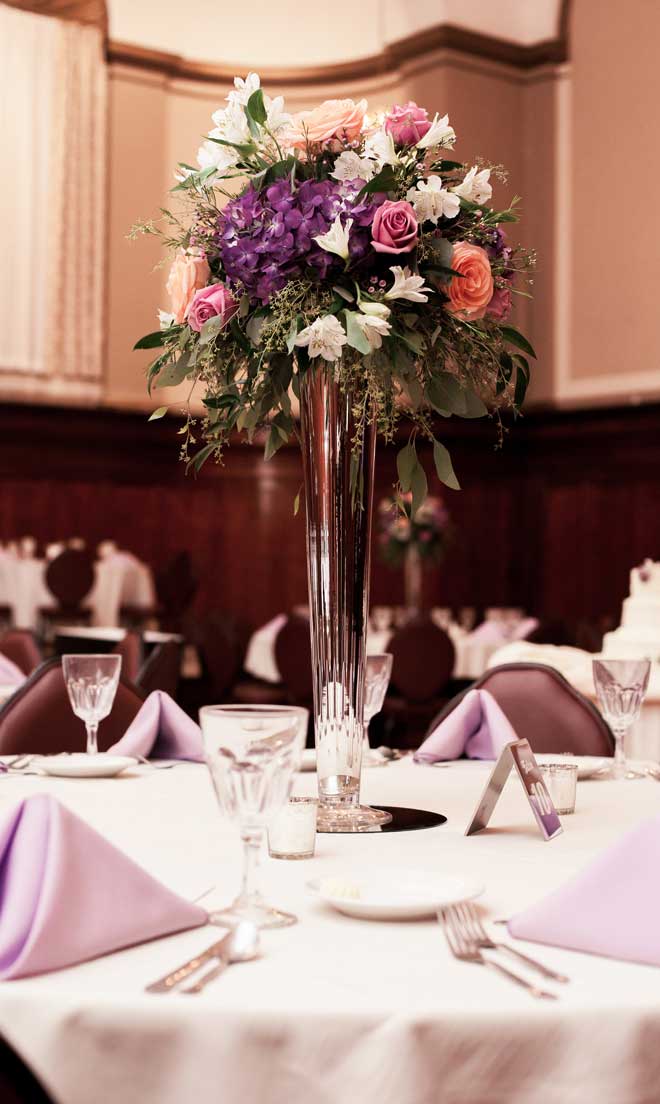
470, 918
466, 949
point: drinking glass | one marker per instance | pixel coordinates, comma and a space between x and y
621, 688
251, 754
378, 670
91, 682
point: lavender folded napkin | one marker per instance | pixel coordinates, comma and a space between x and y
611, 908
477, 728
161, 729
10, 674
68, 895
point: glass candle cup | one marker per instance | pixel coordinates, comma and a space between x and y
292, 832
561, 783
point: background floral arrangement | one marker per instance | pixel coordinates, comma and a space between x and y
353, 243
429, 530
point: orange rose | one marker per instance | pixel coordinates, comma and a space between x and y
331, 119
471, 292
189, 273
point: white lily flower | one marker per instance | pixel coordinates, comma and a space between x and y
475, 187
325, 337
349, 166
243, 89
407, 286
379, 147
440, 134
276, 117
336, 238
373, 328
431, 201
378, 310
165, 319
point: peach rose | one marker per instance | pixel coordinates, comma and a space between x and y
189, 273
471, 292
331, 119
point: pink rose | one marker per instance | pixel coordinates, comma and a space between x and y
394, 229
471, 292
499, 307
213, 300
189, 272
407, 124
331, 119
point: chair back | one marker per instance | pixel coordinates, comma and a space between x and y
543, 708
161, 670
20, 645
38, 718
293, 656
130, 650
221, 650
422, 660
70, 577
176, 587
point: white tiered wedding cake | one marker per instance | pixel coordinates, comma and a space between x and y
638, 636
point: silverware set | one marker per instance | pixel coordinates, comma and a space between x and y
469, 941
239, 945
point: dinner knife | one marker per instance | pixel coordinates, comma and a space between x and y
217, 950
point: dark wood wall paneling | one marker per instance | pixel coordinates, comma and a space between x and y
553, 521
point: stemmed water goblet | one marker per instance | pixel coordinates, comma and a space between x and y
378, 670
251, 753
621, 686
91, 682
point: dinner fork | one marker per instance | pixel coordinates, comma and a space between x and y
467, 950
469, 917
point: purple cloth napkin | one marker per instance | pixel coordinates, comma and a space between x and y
612, 907
477, 727
10, 674
68, 895
161, 729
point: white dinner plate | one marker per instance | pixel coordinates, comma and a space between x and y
587, 765
393, 894
81, 765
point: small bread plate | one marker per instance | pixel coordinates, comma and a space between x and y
81, 765
393, 894
588, 765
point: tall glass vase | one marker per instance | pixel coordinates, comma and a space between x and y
338, 500
413, 581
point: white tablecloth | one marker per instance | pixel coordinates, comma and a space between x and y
472, 651
120, 579
341, 1009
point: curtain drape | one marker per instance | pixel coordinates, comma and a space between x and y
53, 120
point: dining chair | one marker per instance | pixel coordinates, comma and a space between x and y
543, 708
293, 656
423, 659
38, 717
161, 669
21, 646
18, 1084
69, 578
130, 650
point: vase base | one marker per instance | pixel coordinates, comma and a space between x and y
261, 915
350, 818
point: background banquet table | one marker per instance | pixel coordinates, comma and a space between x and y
337, 1006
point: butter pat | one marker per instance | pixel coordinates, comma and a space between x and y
335, 887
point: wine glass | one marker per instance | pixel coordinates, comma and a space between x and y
251, 753
378, 670
91, 682
621, 688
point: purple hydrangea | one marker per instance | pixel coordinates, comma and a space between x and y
498, 250
266, 238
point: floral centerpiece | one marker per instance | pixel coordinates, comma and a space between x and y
342, 261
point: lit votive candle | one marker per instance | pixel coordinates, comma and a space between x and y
561, 783
292, 833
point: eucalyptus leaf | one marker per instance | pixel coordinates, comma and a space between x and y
355, 335
406, 462
384, 181
154, 340
211, 328
444, 466
274, 442
159, 413
419, 487
200, 457
174, 373
514, 337
296, 504
292, 335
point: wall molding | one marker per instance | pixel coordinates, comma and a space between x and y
92, 12
394, 56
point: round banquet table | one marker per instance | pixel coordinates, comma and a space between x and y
338, 1008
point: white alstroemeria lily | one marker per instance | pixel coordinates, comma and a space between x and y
325, 337
373, 328
475, 187
336, 239
165, 319
349, 166
211, 155
379, 147
407, 286
430, 201
440, 134
378, 310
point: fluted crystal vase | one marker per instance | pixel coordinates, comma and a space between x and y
338, 499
